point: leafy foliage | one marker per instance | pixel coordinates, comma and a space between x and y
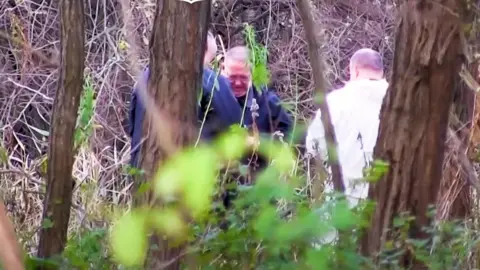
258, 58
84, 128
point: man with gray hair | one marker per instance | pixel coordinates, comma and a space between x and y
270, 115
355, 115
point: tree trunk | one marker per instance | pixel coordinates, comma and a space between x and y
414, 117
177, 47
305, 9
60, 157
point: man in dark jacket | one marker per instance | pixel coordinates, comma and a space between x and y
218, 107
262, 103
262, 110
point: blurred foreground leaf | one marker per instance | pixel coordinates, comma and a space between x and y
129, 239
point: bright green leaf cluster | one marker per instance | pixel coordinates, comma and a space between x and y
129, 239
84, 127
258, 59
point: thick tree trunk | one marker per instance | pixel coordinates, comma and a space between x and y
60, 156
414, 116
177, 47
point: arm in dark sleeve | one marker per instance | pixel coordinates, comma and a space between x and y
136, 105
281, 119
224, 109
131, 113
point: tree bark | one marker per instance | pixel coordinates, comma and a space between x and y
314, 50
60, 156
464, 109
455, 195
414, 117
177, 47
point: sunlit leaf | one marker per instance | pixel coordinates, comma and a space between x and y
169, 180
232, 145
266, 222
342, 216
169, 222
318, 259
268, 186
282, 155
200, 170
123, 45
260, 75
191, 173
129, 239
284, 159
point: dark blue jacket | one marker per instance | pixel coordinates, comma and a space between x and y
271, 115
223, 111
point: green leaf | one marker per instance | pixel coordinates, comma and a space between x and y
318, 259
169, 222
342, 216
200, 170
47, 223
232, 145
285, 159
168, 181
129, 239
282, 155
3, 155
193, 173
266, 221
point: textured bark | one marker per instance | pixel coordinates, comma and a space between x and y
305, 9
11, 257
60, 156
454, 181
414, 117
177, 47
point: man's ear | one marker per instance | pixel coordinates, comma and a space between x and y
356, 72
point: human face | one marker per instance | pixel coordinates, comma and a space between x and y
238, 73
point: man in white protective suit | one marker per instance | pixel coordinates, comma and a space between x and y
355, 115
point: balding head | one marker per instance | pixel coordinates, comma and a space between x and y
366, 64
211, 49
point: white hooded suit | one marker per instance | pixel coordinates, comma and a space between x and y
355, 114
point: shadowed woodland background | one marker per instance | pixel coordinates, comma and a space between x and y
29, 47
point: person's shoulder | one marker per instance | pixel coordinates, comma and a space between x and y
210, 75
337, 95
269, 93
213, 80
